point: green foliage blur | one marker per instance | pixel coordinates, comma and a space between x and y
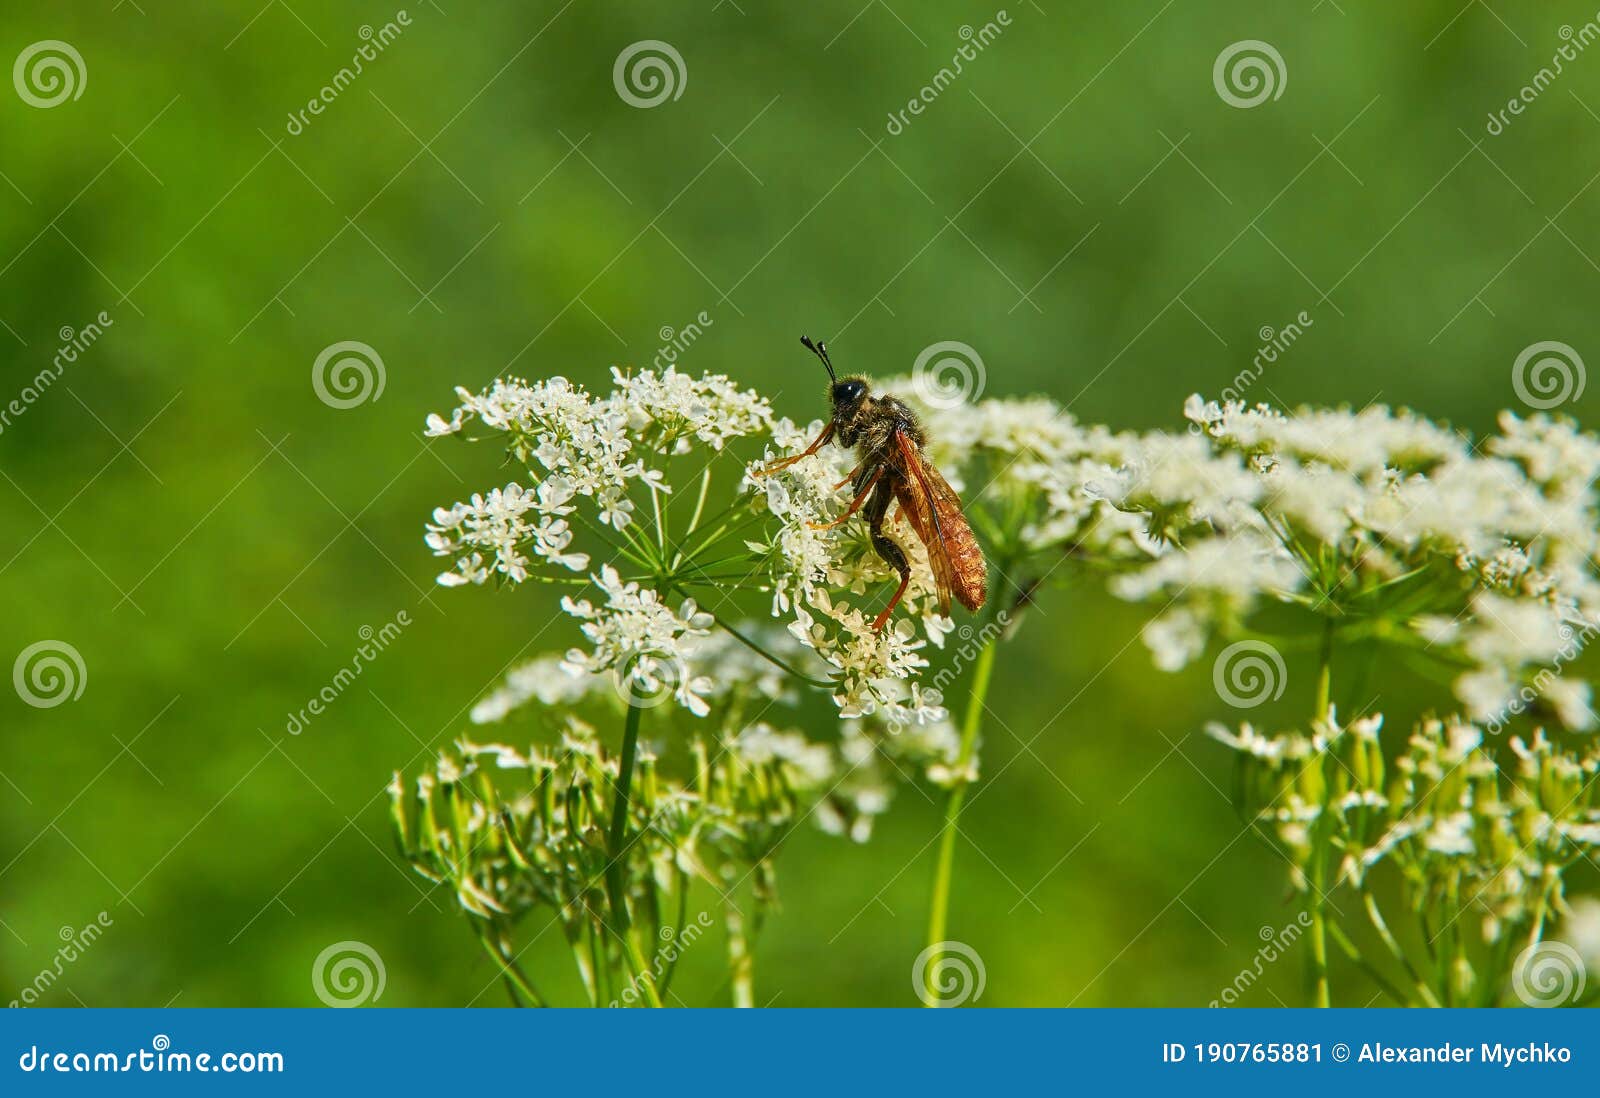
1079, 205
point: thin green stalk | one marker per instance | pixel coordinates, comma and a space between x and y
938, 911
629, 551
661, 524
616, 848
1325, 670
1540, 910
1319, 935
510, 972
707, 523
677, 929
1381, 926
580, 955
1459, 990
1316, 904
1501, 955
1342, 940
741, 963
726, 527
597, 958
770, 658
643, 551
694, 519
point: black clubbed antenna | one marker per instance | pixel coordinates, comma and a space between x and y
821, 351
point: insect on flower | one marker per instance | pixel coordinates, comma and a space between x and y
888, 441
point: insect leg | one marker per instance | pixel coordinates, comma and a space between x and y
888, 549
870, 483
853, 475
784, 463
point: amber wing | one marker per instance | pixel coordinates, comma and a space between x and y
934, 511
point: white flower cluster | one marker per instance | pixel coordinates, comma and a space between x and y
566, 432
509, 523
1391, 525
599, 447
1028, 465
640, 640
742, 692
671, 411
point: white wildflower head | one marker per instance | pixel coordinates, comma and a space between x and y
1382, 523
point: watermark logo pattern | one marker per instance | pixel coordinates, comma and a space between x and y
1249, 73
49, 672
49, 73
649, 73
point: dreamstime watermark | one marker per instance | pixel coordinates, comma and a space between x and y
649, 679
948, 374
49, 672
1275, 944
973, 42
1575, 42
674, 943
1549, 974
75, 942
1275, 343
948, 974
374, 641
156, 1058
373, 43
675, 342
1249, 672
74, 342
973, 642
48, 73
1573, 642
1248, 73
348, 974
348, 373
1548, 373
648, 73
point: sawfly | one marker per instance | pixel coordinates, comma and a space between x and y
891, 468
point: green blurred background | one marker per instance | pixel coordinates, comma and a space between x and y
1080, 206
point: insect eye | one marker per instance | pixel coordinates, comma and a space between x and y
848, 392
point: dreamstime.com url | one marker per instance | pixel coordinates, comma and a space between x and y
158, 1058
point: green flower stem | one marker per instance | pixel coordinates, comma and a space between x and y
580, 954
516, 981
661, 525
597, 960
939, 909
616, 849
741, 962
769, 657
1342, 940
1315, 902
1325, 671
694, 519
726, 528
1319, 934
677, 929
1540, 910
1491, 988
1381, 926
